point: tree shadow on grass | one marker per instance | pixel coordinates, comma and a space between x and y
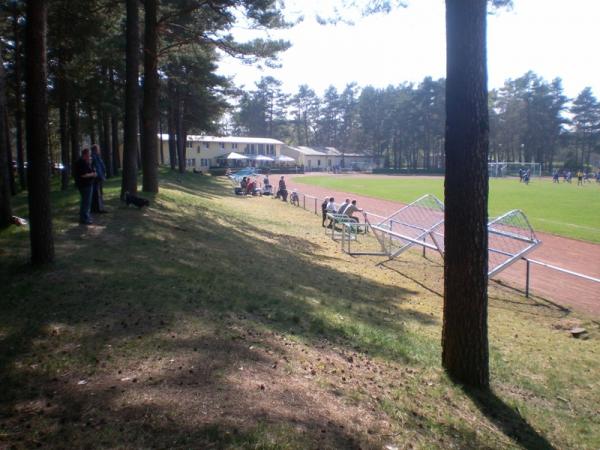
420, 283
507, 419
138, 273
175, 407
534, 305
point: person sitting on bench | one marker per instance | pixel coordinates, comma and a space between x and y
331, 209
295, 198
250, 187
267, 188
343, 206
351, 209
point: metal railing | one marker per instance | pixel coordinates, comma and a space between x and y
528, 262
311, 203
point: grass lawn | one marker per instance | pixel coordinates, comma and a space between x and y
214, 321
563, 209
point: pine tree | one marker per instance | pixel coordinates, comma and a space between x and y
465, 354
38, 176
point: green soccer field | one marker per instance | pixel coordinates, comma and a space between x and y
563, 209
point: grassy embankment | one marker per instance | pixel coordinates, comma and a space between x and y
564, 209
214, 321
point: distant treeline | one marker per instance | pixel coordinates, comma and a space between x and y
402, 126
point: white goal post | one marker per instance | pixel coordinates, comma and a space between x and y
511, 169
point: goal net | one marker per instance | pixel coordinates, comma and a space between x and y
511, 169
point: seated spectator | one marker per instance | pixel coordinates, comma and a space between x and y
244, 184
324, 209
343, 206
351, 209
250, 186
330, 209
295, 198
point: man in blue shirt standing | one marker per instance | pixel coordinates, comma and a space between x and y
97, 191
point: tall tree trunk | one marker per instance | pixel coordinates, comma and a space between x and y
73, 109
151, 87
9, 156
18, 102
62, 112
172, 127
36, 117
5, 163
91, 124
106, 147
465, 330
180, 134
130, 138
141, 136
114, 123
161, 141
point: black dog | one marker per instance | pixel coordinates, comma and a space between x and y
131, 199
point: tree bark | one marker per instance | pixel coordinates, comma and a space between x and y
64, 136
114, 122
18, 103
465, 335
36, 117
5, 162
9, 156
151, 92
73, 109
161, 142
140, 136
180, 134
172, 128
90, 124
130, 138
106, 147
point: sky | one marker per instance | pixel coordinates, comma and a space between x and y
553, 38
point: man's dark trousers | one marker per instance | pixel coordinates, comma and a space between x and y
86, 203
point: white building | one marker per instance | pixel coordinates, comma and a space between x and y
326, 159
203, 152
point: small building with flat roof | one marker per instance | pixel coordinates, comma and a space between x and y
326, 158
203, 152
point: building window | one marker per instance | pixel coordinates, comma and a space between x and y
261, 149
234, 146
222, 145
206, 145
204, 162
198, 149
190, 144
318, 162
